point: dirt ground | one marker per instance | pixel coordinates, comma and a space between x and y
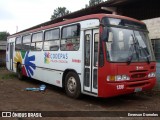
14, 97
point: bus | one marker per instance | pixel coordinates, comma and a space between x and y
101, 55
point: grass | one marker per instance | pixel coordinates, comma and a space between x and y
2, 68
7, 76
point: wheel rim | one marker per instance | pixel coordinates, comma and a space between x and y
71, 84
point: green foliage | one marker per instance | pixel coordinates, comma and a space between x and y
59, 12
4, 35
93, 2
7, 76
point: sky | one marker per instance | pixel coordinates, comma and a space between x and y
23, 14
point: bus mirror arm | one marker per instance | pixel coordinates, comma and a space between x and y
104, 35
101, 24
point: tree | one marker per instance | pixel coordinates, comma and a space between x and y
4, 35
59, 12
94, 2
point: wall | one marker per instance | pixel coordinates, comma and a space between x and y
153, 27
154, 34
2, 58
2, 53
3, 45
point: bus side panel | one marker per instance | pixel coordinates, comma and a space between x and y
48, 66
49, 76
10, 54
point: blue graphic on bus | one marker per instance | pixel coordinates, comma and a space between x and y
29, 65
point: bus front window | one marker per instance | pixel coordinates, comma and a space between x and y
128, 45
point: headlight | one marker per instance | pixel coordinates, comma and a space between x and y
125, 77
151, 75
118, 78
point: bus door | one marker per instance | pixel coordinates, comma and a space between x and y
91, 40
11, 47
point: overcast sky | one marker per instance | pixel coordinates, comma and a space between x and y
28, 13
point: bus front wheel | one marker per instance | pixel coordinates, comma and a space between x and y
72, 85
19, 72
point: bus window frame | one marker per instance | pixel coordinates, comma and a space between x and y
18, 44
44, 40
25, 36
37, 41
27, 42
73, 37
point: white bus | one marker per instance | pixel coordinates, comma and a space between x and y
90, 55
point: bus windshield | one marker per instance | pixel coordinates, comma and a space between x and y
128, 44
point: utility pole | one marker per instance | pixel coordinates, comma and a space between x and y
16, 29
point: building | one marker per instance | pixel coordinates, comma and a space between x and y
2, 52
154, 34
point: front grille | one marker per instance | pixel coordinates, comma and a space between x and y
138, 75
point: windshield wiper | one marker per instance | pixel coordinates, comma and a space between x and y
134, 45
138, 49
130, 59
142, 48
146, 53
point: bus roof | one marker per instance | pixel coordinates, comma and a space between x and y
44, 26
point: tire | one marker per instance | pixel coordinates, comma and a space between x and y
72, 85
19, 72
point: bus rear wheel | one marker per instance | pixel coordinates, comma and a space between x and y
19, 72
72, 85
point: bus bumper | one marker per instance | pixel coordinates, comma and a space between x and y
119, 88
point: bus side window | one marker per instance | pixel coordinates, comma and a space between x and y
18, 44
37, 41
87, 49
70, 38
96, 41
51, 38
26, 40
